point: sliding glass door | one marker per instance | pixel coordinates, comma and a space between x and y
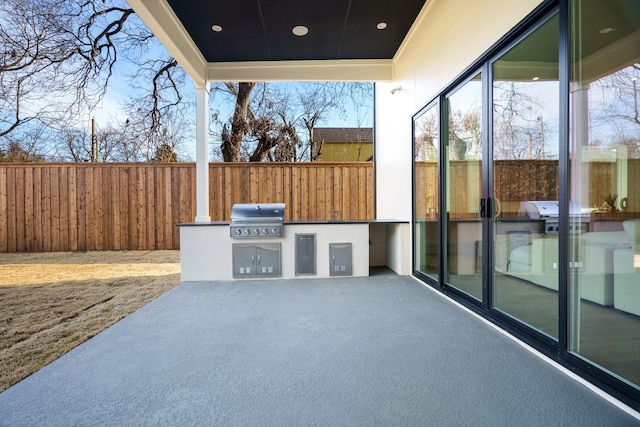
533, 217
525, 152
463, 176
497, 251
604, 287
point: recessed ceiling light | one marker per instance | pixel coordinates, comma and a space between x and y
300, 30
216, 28
536, 78
607, 30
381, 25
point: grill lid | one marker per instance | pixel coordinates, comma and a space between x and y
257, 212
257, 221
546, 209
540, 209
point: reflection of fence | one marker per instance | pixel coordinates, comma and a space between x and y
518, 180
68, 207
515, 181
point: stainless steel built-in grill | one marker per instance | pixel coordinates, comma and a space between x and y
549, 212
256, 220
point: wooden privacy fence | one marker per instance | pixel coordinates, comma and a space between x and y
78, 207
516, 181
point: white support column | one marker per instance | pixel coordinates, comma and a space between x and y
579, 140
202, 153
579, 191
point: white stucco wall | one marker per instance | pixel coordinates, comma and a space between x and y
448, 37
206, 250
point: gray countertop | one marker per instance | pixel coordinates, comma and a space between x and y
306, 221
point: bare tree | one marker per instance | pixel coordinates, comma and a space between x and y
465, 134
520, 132
159, 116
616, 120
233, 134
59, 57
426, 136
315, 103
277, 125
63, 50
25, 145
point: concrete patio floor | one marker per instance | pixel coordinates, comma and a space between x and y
383, 350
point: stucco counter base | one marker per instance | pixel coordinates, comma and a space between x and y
206, 249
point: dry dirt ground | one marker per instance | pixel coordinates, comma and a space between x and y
52, 302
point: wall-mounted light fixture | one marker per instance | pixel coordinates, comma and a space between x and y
396, 89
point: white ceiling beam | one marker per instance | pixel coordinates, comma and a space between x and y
325, 70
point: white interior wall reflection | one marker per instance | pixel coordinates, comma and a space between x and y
605, 181
426, 191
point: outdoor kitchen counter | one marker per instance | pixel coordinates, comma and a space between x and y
206, 248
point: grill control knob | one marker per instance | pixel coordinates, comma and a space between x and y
247, 232
238, 231
265, 231
256, 231
274, 231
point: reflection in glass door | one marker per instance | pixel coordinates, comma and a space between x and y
525, 153
604, 290
426, 194
521, 167
463, 166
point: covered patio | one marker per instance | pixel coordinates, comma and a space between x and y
424, 57
381, 350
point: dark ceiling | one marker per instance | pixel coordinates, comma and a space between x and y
261, 30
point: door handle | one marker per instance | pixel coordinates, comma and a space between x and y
485, 208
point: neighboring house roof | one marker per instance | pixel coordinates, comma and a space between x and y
342, 134
343, 144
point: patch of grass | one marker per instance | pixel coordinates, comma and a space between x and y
41, 322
